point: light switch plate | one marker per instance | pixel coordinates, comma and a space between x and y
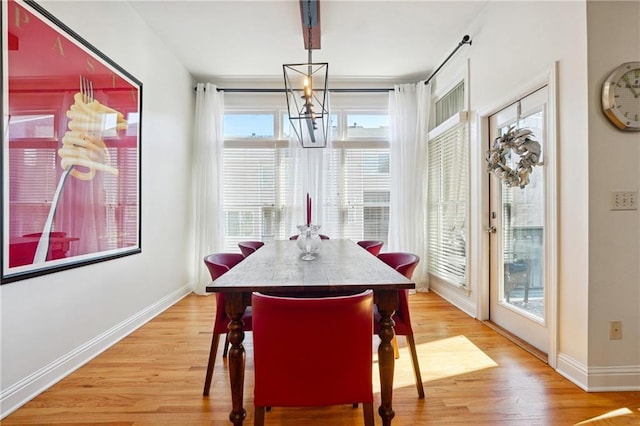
624, 200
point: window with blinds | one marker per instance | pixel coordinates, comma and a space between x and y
450, 104
255, 176
447, 205
254, 184
361, 193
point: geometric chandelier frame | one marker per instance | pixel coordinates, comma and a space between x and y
307, 102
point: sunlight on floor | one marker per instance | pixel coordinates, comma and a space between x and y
606, 418
454, 355
440, 359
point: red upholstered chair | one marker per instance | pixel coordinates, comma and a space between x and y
314, 371
218, 264
248, 247
322, 237
372, 246
405, 263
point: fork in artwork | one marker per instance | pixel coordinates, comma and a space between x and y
86, 91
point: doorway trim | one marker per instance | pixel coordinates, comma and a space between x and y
481, 269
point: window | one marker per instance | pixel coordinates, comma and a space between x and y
286, 125
242, 125
447, 192
256, 167
361, 191
450, 104
367, 125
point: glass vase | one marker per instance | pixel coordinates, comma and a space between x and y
308, 241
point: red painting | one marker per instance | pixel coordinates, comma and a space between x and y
70, 145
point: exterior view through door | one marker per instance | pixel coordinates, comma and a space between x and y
518, 296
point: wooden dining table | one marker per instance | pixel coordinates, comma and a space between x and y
340, 267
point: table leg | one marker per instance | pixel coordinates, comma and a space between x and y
235, 307
387, 302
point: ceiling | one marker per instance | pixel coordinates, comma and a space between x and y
390, 40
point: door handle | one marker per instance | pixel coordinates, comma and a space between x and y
491, 229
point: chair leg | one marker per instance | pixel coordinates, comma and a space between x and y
226, 345
367, 410
212, 361
396, 352
258, 416
416, 366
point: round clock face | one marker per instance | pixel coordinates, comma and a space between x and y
621, 96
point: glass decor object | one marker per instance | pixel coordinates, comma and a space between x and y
309, 241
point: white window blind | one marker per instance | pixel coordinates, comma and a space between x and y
450, 104
254, 184
361, 193
447, 205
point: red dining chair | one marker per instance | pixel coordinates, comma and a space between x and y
315, 372
322, 237
372, 246
218, 264
405, 263
248, 247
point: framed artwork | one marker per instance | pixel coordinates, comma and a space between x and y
70, 148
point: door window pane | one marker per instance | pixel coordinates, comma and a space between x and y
522, 230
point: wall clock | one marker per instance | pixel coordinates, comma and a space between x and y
621, 96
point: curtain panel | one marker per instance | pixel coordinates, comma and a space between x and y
207, 219
409, 108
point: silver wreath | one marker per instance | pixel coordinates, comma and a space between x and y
522, 143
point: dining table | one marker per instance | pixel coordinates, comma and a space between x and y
340, 267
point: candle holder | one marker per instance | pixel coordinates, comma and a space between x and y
308, 241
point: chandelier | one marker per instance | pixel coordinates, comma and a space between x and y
306, 88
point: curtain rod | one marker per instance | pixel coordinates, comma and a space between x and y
465, 40
242, 90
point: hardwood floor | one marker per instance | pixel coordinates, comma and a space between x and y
472, 375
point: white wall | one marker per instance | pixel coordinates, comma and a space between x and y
614, 236
514, 44
52, 324
598, 280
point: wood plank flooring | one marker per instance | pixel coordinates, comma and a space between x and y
472, 375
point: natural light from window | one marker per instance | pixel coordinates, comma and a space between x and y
440, 359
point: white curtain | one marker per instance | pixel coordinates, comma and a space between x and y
308, 173
409, 106
207, 218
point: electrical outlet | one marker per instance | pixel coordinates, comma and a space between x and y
615, 330
624, 200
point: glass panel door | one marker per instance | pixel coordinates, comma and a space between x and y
517, 218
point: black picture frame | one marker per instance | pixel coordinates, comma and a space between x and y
71, 157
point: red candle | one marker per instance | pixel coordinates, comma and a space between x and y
308, 210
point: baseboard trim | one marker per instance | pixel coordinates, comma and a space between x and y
614, 379
456, 296
518, 341
26, 389
574, 371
